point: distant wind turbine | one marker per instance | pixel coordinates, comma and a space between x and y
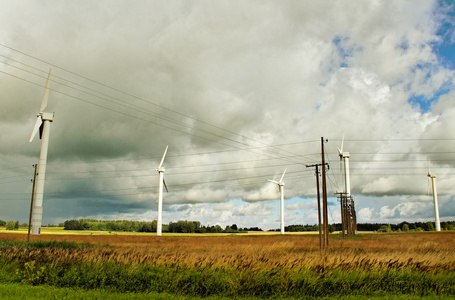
344, 156
281, 189
43, 126
435, 198
160, 195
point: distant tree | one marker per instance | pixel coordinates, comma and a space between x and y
448, 225
429, 226
24, 225
405, 227
112, 226
146, 227
72, 225
252, 229
99, 226
11, 225
385, 228
2, 223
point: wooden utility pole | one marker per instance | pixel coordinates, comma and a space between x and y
319, 208
31, 205
324, 199
319, 203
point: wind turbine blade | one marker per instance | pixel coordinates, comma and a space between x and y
38, 123
282, 176
46, 93
342, 143
274, 181
429, 176
162, 160
340, 153
41, 128
165, 186
428, 187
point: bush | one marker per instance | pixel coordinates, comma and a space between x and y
73, 225
429, 226
385, 228
11, 225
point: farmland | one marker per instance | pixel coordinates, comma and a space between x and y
262, 266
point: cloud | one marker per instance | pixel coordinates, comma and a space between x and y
364, 215
238, 91
254, 209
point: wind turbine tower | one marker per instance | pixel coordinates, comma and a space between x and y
43, 124
348, 215
160, 195
435, 199
344, 156
281, 189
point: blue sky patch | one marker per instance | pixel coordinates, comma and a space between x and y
346, 50
425, 103
445, 50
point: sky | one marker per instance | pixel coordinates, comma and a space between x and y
239, 91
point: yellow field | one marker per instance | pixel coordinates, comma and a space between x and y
60, 230
423, 250
262, 264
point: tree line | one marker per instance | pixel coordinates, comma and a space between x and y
142, 226
196, 227
379, 227
404, 226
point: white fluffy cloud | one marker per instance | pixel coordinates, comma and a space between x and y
220, 83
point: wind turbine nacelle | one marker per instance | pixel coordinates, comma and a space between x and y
161, 169
47, 116
345, 154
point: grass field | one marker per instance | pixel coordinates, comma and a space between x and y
397, 265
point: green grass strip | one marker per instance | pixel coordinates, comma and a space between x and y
44, 245
16, 291
223, 282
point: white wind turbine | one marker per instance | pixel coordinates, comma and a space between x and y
345, 156
43, 126
281, 189
435, 198
160, 195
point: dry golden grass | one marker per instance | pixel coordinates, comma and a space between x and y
424, 252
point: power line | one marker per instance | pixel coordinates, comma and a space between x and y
165, 126
149, 102
255, 180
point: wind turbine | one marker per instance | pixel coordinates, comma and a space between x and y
43, 124
281, 189
160, 195
345, 156
435, 198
